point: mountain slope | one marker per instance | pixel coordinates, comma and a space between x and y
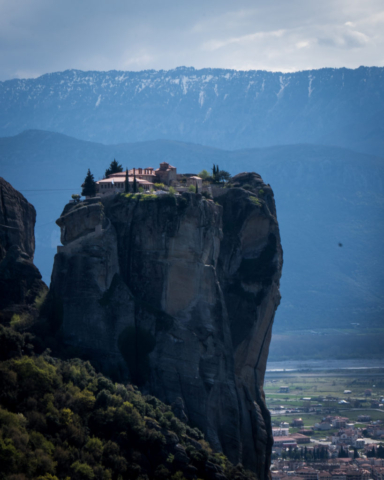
324, 195
223, 108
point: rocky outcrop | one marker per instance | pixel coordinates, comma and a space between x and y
178, 294
20, 281
17, 221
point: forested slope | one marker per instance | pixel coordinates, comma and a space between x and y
61, 419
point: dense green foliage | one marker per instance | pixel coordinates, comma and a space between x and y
62, 420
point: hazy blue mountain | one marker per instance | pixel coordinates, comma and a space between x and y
324, 195
221, 108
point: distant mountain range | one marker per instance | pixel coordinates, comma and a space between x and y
219, 108
329, 202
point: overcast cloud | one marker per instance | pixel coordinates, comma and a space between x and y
41, 36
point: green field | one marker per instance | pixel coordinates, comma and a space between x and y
308, 419
319, 386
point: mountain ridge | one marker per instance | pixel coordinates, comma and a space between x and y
216, 107
338, 192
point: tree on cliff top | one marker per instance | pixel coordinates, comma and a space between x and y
126, 182
89, 185
222, 176
114, 167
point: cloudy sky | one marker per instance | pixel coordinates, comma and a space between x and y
41, 36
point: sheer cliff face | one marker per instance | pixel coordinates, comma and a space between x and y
179, 295
20, 280
17, 220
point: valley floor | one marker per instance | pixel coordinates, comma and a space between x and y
313, 391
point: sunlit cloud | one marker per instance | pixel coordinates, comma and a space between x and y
341, 38
245, 39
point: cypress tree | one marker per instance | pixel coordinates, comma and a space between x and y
197, 188
126, 182
134, 182
343, 453
380, 452
89, 185
114, 167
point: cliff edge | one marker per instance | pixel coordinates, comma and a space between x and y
20, 281
178, 295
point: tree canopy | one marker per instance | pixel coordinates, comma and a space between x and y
89, 185
61, 419
222, 176
114, 167
219, 175
204, 174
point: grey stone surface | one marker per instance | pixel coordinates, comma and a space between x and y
20, 280
179, 296
17, 221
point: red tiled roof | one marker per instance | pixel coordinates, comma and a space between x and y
120, 180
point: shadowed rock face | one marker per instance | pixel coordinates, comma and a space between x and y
20, 280
17, 221
179, 296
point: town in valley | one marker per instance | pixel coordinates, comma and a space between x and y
327, 425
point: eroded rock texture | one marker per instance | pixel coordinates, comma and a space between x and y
20, 280
17, 220
179, 296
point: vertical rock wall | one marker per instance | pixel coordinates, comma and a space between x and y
20, 280
17, 221
179, 295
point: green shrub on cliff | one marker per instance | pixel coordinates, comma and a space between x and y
61, 419
255, 201
148, 198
